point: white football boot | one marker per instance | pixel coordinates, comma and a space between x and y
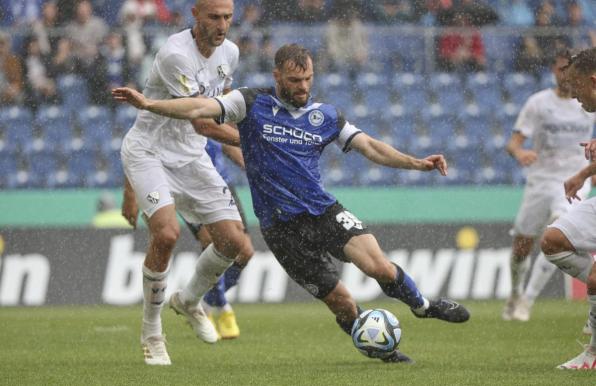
587, 330
509, 308
584, 361
154, 350
522, 310
196, 317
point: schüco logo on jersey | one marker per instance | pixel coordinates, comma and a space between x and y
282, 134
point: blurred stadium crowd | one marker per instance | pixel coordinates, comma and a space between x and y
425, 75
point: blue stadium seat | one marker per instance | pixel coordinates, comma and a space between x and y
124, 118
485, 89
8, 167
73, 91
55, 127
81, 164
411, 90
407, 50
41, 165
500, 51
520, 86
96, 126
17, 124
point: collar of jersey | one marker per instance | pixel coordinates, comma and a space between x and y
291, 108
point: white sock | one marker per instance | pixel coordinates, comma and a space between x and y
206, 307
592, 318
420, 310
519, 270
541, 273
210, 266
227, 308
154, 293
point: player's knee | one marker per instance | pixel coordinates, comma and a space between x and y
231, 244
551, 242
167, 236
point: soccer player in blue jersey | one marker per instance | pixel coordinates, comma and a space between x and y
283, 133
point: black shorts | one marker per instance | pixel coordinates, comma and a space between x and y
195, 227
305, 245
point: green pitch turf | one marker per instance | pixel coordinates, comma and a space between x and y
290, 344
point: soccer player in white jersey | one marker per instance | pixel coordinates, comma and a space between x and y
570, 241
169, 170
555, 123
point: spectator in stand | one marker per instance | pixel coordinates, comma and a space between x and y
248, 24
529, 57
11, 73
86, 32
582, 36
249, 57
346, 38
40, 87
394, 11
546, 19
43, 28
462, 50
516, 13
307, 11
133, 15
479, 13
111, 69
266, 54
64, 61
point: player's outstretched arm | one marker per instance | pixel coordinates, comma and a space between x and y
384, 154
575, 183
181, 108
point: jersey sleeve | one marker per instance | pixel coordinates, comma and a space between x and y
527, 119
177, 75
233, 106
347, 132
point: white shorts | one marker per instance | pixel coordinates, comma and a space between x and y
579, 225
543, 202
196, 189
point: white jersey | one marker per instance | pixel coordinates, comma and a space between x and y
179, 70
556, 126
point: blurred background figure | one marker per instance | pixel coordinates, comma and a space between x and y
346, 39
108, 214
11, 73
462, 50
40, 87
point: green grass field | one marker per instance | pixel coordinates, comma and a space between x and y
290, 344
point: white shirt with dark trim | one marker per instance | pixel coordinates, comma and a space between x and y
282, 146
180, 70
555, 126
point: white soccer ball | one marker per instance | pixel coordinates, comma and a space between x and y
376, 333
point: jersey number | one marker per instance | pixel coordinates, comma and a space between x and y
348, 220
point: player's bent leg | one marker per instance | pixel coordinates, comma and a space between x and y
342, 304
228, 237
164, 234
365, 253
558, 250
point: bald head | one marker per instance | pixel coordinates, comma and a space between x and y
213, 19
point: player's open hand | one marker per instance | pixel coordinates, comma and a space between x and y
589, 149
525, 157
129, 95
435, 161
572, 186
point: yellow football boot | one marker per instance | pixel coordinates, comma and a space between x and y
227, 326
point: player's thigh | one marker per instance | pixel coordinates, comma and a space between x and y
364, 251
534, 212
305, 262
578, 226
201, 195
150, 182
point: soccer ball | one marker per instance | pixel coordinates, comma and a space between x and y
376, 333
